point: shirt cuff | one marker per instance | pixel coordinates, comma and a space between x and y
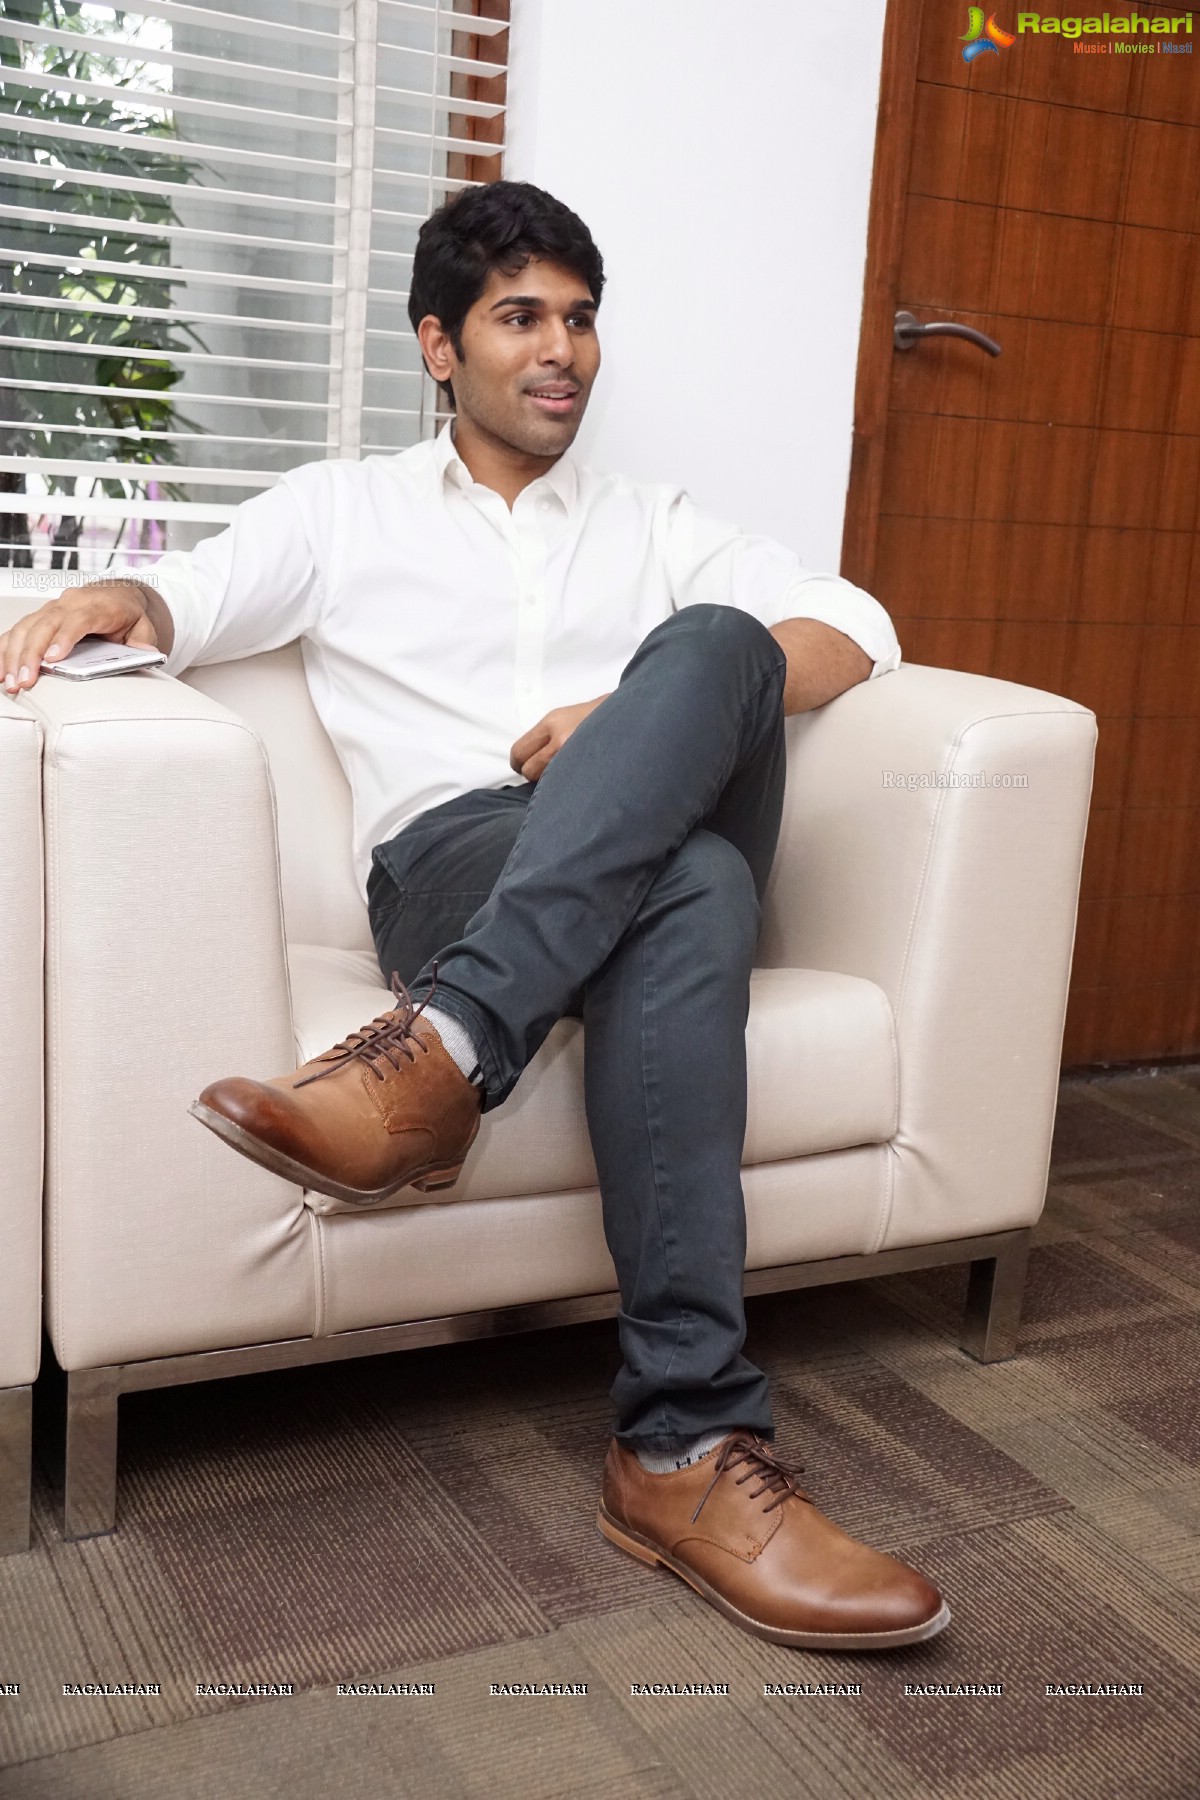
172, 579
833, 600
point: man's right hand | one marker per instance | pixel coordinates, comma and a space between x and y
108, 609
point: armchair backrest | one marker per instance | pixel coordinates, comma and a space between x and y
321, 901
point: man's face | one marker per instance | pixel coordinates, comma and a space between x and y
530, 354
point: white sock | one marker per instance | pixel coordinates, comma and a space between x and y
459, 1043
665, 1462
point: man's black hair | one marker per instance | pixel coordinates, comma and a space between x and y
500, 225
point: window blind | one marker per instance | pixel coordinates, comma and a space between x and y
207, 218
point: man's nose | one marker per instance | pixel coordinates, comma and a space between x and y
556, 345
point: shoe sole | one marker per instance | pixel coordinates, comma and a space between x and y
429, 1179
645, 1551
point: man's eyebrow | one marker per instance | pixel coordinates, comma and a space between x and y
534, 304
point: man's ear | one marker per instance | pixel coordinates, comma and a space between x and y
436, 348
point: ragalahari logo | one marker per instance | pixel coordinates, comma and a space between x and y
979, 37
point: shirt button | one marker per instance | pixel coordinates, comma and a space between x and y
545, 503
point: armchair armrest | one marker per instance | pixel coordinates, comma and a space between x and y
165, 968
960, 901
22, 1105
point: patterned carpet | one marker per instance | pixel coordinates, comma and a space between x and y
429, 1518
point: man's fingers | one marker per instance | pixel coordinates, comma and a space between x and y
528, 745
548, 737
53, 631
28, 642
522, 750
535, 766
17, 653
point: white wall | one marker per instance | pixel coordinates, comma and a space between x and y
720, 152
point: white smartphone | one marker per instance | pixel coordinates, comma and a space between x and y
94, 655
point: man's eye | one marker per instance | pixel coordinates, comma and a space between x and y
585, 320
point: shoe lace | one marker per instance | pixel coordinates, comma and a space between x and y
383, 1037
775, 1479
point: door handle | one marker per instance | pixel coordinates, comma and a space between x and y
907, 331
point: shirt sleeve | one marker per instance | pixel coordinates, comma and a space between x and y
254, 586
711, 560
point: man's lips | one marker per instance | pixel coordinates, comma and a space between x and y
554, 397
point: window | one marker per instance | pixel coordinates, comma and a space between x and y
207, 217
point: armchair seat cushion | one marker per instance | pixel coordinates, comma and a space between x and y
822, 1067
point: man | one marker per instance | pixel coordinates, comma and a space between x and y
443, 597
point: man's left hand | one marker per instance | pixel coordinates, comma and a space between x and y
530, 755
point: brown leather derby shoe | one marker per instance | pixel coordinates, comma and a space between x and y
386, 1108
739, 1530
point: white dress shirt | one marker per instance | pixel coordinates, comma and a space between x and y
436, 626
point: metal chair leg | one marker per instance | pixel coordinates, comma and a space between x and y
994, 1294
16, 1464
90, 1487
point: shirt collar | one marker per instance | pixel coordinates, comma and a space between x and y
561, 478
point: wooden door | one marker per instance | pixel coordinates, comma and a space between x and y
1034, 515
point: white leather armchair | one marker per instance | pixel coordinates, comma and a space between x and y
202, 920
22, 1110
